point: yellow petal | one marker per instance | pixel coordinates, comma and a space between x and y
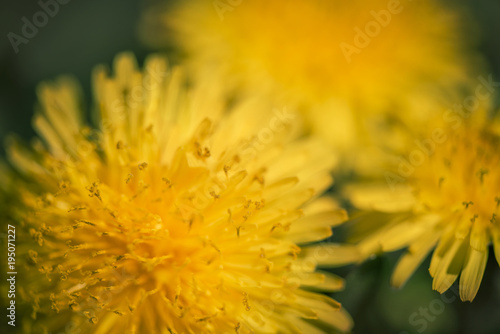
341, 320
380, 197
312, 234
472, 274
412, 259
23, 159
401, 235
323, 219
479, 237
317, 301
448, 267
60, 106
319, 280
303, 326
463, 227
496, 242
279, 188
331, 255
322, 204
407, 231
46, 131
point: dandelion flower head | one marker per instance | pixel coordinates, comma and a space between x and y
443, 196
341, 61
179, 213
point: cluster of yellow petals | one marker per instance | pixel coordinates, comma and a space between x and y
348, 65
180, 213
447, 200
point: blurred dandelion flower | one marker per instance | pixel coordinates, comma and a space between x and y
443, 196
347, 64
176, 215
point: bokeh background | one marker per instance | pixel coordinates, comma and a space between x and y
85, 33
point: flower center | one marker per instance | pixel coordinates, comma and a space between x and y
460, 179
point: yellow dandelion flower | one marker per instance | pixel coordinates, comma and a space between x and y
442, 196
341, 61
181, 213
